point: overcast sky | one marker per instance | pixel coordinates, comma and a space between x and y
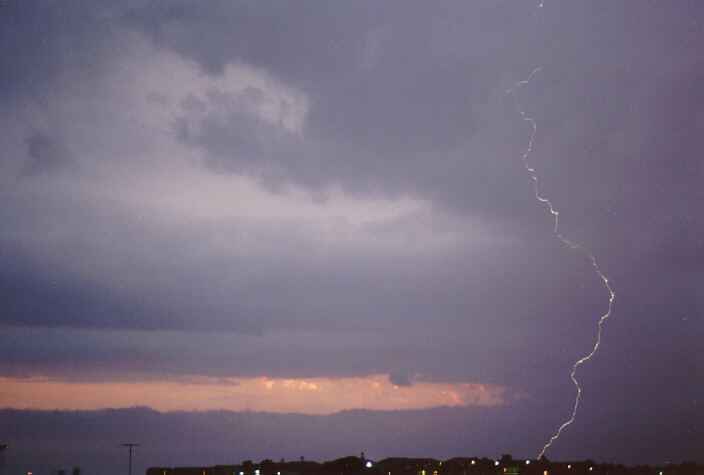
317, 206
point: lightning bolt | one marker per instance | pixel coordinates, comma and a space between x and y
575, 246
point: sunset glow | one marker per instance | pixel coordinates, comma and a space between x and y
261, 394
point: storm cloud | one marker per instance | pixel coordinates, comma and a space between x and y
300, 190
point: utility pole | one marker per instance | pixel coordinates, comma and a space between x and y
130, 445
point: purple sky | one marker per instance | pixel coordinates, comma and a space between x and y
260, 192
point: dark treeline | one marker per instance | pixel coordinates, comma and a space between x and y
427, 466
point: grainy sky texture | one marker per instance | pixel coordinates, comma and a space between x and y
290, 209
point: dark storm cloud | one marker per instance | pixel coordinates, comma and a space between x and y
420, 86
45, 153
397, 102
41, 41
237, 141
386, 88
345, 323
400, 378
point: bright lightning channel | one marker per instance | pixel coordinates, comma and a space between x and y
556, 216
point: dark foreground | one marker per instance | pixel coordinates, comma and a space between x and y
425, 466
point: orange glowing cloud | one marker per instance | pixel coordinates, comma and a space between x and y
281, 395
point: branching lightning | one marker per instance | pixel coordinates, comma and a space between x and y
578, 247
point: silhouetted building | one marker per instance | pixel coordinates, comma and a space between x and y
506, 465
